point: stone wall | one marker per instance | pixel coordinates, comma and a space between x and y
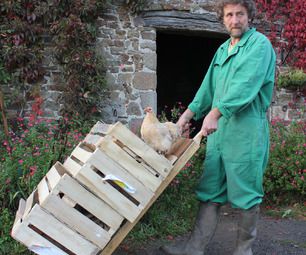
128, 43
288, 105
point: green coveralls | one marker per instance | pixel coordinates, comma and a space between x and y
240, 84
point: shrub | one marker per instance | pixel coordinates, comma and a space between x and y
29, 151
292, 79
285, 176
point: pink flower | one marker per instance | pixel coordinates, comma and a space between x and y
33, 170
20, 161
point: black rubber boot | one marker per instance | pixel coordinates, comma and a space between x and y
247, 231
201, 234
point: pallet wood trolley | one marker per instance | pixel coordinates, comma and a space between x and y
89, 204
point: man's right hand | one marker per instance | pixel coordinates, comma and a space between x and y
184, 120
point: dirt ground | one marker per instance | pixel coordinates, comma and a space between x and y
275, 237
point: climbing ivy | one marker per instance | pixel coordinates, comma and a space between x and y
26, 28
287, 22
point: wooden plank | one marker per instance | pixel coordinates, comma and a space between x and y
107, 166
93, 139
60, 232
43, 190
22, 233
109, 194
72, 166
94, 205
100, 128
77, 221
20, 211
69, 201
81, 153
145, 175
29, 203
139, 147
53, 175
127, 227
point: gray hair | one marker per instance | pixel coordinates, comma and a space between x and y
248, 4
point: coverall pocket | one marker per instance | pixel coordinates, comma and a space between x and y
243, 140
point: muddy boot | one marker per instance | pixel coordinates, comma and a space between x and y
202, 232
247, 231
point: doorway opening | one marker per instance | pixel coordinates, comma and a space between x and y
182, 62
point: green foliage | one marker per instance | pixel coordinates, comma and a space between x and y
292, 79
7, 245
136, 6
26, 155
286, 172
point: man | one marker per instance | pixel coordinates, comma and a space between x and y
234, 97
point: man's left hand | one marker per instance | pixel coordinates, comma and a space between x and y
210, 122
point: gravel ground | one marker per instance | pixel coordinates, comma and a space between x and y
275, 237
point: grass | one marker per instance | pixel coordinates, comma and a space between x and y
296, 211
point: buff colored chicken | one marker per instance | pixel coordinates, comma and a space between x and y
160, 136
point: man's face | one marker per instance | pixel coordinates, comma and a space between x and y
235, 19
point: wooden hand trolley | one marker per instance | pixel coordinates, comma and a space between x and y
89, 204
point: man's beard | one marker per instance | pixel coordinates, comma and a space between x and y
238, 32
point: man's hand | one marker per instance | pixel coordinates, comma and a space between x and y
183, 121
210, 122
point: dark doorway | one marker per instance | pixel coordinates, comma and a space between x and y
182, 61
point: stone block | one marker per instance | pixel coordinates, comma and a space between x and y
148, 35
133, 109
117, 50
138, 61
278, 112
133, 33
121, 34
135, 125
151, 45
149, 99
150, 60
125, 78
145, 81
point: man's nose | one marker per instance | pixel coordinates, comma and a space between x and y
235, 19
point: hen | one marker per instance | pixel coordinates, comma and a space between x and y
160, 136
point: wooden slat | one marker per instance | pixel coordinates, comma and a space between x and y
72, 166
81, 154
129, 139
53, 175
43, 190
20, 211
87, 200
100, 128
77, 221
93, 139
22, 233
60, 232
29, 203
145, 175
127, 227
107, 166
108, 193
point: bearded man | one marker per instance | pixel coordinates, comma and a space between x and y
233, 99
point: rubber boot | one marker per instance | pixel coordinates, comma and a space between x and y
204, 229
247, 231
